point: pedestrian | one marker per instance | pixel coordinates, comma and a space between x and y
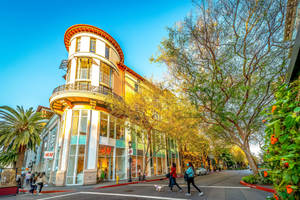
190, 173
139, 172
27, 178
40, 182
173, 177
32, 182
22, 179
19, 183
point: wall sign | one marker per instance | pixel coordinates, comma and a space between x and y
105, 150
48, 154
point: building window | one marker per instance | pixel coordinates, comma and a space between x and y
82, 85
136, 87
77, 147
78, 41
93, 45
111, 127
105, 74
68, 74
103, 125
106, 51
83, 68
119, 132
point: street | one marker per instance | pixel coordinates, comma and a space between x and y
216, 186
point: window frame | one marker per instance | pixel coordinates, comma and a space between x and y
107, 53
93, 40
78, 44
79, 67
109, 81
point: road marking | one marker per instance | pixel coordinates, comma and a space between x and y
63, 195
132, 195
203, 186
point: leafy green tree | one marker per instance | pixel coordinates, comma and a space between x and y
225, 57
19, 131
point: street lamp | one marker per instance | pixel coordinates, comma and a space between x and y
130, 160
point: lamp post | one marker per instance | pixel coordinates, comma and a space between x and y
130, 160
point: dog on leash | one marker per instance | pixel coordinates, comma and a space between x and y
158, 187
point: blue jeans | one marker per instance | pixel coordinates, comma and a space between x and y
173, 182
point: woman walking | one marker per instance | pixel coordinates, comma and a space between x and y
173, 177
32, 182
190, 172
41, 180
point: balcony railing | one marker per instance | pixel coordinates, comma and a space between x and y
86, 88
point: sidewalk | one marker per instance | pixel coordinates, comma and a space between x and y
73, 188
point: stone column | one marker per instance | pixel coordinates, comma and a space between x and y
90, 171
61, 173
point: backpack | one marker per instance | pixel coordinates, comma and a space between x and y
185, 176
192, 174
168, 175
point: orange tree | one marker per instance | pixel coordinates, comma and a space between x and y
283, 142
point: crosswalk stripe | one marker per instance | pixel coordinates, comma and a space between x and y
132, 195
202, 186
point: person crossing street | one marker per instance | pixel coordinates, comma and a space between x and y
173, 177
190, 173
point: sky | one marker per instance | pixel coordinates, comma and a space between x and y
32, 40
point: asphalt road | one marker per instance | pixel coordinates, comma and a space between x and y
217, 186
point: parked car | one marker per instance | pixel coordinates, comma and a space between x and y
201, 171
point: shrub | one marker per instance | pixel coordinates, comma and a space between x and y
257, 179
283, 142
252, 179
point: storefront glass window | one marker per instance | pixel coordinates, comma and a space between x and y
77, 147
119, 131
133, 166
120, 163
112, 127
159, 166
103, 125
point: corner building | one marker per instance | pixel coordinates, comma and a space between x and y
90, 144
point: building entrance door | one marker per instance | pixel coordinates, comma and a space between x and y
105, 163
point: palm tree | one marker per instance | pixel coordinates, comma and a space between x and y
7, 158
19, 131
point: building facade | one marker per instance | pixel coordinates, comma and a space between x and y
86, 142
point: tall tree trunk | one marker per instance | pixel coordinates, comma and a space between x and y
20, 160
251, 161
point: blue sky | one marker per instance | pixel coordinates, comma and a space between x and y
32, 46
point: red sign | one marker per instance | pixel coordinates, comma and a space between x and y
105, 150
48, 154
130, 151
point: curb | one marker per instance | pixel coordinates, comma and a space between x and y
130, 183
49, 191
258, 187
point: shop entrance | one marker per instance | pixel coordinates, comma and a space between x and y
105, 163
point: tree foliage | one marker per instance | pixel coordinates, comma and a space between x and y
225, 57
7, 158
19, 131
155, 115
